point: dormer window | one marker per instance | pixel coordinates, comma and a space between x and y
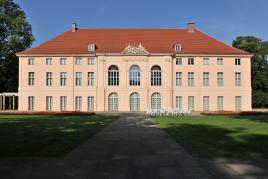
91, 47
177, 47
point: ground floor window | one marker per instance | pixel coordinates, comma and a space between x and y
179, 102
205, 103
78, 103
191, 102
48, 103
90, 103
113, 102
31, 103
156, 101
63, 103
134, 102
238, 103
220, 103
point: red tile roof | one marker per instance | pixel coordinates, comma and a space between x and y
114, 40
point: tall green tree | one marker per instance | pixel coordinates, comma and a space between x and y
15, 36
259, 67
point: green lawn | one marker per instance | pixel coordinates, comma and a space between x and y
220, 135
47, 135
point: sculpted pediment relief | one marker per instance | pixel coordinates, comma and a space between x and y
134, 50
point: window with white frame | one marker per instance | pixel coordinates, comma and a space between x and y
205, 103
219, 61
31, 78
90, 76
156, 101
78, 61
220, 103
90, 103
205, 61
220, 79
238, 103
177, 47
190, 61
31, 102
78, 103
134, 102
134, 75
156, 76
178, 78
49, 78
190, 78
78, 78
91, 47
179, 102
63, 61
90, 61
30, 61
113, 75
237, 78
113, 102
206, 79
48, 61
63, 78
178, 61
237, 61
48, 103
63, 103
191, 103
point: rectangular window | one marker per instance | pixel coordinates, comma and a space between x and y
31, 103
237, 79
48, 61
219, 61
206, 79
205, 103
237, 61
90, 103
90, 61
178, 61
30, 61
63, 103
63, 61
78, 61
63, 78
191, 103
220, 79
205, 61
49, 79
178, 78
31, 78
238, 103
78, 103
179, 102
78, 78
90, 78
220, 103
190, 61
190, 78
48, 103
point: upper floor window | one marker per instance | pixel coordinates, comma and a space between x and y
190, 78
237, 61
220, 79
206, 79
30, 61
205, 61
219, 61
49, 79
78, 61
90, 78
91, 47
78, 78
90, 61
178, 78
134, 75
156, 75
31, 78
63, 61
177, 47
113, 75
48, 61
237, 78
63, 78
178, 61
190, 61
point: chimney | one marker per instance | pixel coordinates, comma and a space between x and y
191, 27
74, 27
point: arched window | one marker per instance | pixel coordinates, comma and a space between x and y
113, 102
113, 75
156, 101
134, 102
134, 75
156, 76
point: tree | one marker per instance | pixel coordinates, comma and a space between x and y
15, 36
259, 67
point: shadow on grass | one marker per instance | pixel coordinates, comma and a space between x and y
211, 141
255, 118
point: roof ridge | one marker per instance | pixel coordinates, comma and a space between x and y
130, 28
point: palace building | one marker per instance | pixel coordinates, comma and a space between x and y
134, 69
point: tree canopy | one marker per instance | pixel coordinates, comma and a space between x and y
15, 36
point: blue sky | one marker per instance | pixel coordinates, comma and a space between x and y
223, 19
